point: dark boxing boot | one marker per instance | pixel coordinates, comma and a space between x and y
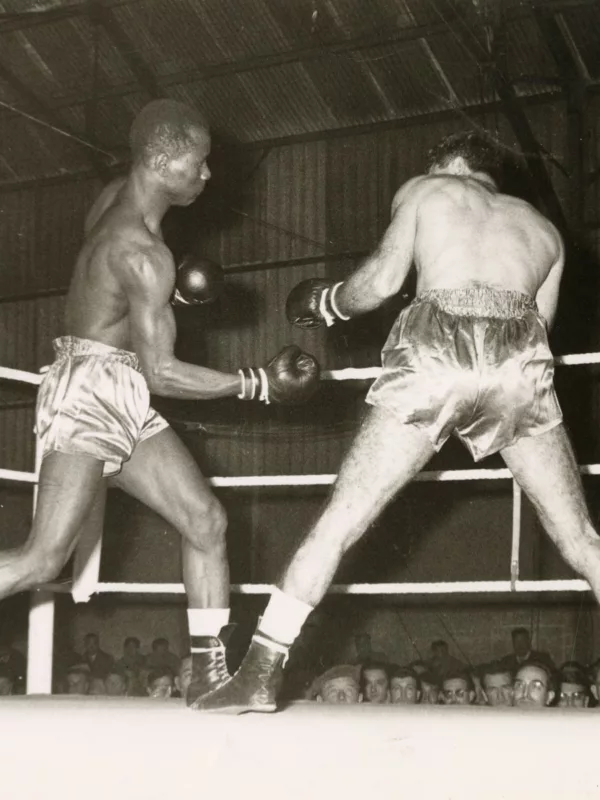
209, 667
255, 685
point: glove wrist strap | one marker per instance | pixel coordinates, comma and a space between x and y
264, 386
250, 384
334, 305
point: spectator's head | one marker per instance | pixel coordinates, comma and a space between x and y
362, 644
573, 686
6, 681
458, 689
439, 652
78, 679
405, 686
375, 682
115, 683
533, 685
131, 647
595, 680
160, 683
160, 647
91, 644
338, 685
497, 683
97, 686
430, 690
521, 642
183, 680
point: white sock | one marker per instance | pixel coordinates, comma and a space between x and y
283, 618
206, 622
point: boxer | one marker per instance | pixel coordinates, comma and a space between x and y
94, 419
469, 356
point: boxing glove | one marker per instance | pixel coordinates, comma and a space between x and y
290, 378
198, 281
312, 303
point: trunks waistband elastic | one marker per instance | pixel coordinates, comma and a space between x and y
72, 346
480, 301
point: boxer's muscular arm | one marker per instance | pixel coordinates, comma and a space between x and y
547, 296
149, 279
382, 274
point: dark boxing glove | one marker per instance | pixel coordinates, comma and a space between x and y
290, 378
198, 281
312, 303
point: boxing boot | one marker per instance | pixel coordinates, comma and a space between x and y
255, 685
209, 667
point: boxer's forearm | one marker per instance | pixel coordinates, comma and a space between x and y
185, 381
374, 282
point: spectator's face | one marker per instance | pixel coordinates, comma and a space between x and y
573, 695
162, 687
115, 685
97, 686
91, 645
376, 686
438, 654
6, 687
185, 675
430, 694
498, 689
455, 692
404, 691
77, 683
531, 687
340, 690
521, 644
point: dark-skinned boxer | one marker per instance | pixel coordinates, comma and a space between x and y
94, 418
469, 356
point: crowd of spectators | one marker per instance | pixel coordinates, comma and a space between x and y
523, 677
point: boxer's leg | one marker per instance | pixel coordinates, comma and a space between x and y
384, 457
163, 475
68, 489
545, 468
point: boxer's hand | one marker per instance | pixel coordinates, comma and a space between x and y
198, 281
312, 303
290, 378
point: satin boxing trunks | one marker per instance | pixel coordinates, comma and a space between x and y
95, 401
474, 362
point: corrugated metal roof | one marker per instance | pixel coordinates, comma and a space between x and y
306, 84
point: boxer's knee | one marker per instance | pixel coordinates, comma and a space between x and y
42, 565
205, 525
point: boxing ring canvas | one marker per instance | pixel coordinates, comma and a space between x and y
147, 749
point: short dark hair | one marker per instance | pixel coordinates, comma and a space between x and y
132, 640
160, 672
370, 665
439, 643
396, 671
117, 671
91, 636
573, 672
495, 668
79, 669
520, 632
461, 675
161, 640
480, 153
165, 127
